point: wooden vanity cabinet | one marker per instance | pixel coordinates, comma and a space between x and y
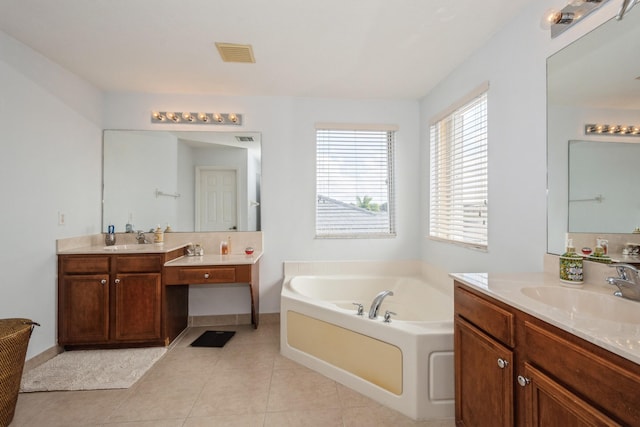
110, 300
556, 378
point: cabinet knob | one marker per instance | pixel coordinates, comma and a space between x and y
116, 281
502, 363
206, 275
523, 381
103, 281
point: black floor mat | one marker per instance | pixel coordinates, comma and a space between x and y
213, 339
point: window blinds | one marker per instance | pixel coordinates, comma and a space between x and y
354, 183
459, 184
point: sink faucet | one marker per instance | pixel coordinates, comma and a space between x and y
377, 301
141, 238
628, 281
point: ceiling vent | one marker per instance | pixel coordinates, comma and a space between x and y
244, 138
236, 52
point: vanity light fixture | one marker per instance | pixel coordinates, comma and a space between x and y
612, 130
232, 119
558, 21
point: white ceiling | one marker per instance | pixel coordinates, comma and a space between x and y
328, 48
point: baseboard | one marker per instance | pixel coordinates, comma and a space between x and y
232, 319
39, 359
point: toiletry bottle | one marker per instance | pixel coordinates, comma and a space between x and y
224, 247
110, 237
158, 235
571, 266
129, 227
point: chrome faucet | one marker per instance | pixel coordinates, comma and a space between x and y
141, 238
377, 301
628, 281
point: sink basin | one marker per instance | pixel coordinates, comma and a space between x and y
585, 304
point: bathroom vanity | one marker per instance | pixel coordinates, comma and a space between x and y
138, 295
521, 358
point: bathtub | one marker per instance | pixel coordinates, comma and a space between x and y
406, 364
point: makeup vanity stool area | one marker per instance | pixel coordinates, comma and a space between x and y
211, 270
514, 369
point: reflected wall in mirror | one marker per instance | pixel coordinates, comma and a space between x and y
191, 180
593, 80
604, 187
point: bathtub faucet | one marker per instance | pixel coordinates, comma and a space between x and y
377, 301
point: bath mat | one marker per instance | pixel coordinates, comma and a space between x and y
213, 339
91, 369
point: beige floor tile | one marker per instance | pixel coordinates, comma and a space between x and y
66, 408
256, 356
350, 398
179, 422
296, 389
311, 418
230, 392
249, 420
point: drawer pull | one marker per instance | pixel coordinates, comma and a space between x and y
116, 281
523, 381
103, 281
206, 275
502, 363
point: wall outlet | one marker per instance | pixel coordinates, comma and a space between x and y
61, 218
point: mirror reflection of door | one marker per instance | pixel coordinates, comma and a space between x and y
216, 199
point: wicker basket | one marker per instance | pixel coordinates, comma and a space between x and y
14, 339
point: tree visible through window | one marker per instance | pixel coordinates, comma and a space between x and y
459, 185
354, 183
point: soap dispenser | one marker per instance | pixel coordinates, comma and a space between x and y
571, 266
158, 235
110, 237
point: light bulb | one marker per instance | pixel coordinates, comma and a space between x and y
203, 117
157, 116
187, 116
218, 118
555, 16
233, 118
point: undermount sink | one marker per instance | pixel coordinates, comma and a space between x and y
581, 303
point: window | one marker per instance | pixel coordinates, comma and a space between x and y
459, 185
354, 182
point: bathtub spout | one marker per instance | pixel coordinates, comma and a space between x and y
377, 301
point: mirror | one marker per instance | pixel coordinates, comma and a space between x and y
593, 80
607, 201
190, 180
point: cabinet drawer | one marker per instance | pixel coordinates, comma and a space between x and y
139, 263
488, 317
84, 264
599, 380
207, 275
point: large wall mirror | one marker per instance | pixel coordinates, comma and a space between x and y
191, 180
596, 79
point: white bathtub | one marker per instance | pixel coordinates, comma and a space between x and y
406, 364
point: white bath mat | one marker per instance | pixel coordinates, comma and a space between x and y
91, 369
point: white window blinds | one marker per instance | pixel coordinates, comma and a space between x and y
354, 183
459, 184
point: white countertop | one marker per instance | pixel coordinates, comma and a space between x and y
214, 259
619, 337
151, 248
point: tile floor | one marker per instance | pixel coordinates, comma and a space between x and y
246, 383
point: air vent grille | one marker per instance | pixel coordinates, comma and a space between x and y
236, 52
244, 138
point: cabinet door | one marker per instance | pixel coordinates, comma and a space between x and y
83, 313
484, 378
137, 307
547, 403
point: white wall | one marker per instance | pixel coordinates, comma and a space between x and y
50, 162
288, 178
514, 63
